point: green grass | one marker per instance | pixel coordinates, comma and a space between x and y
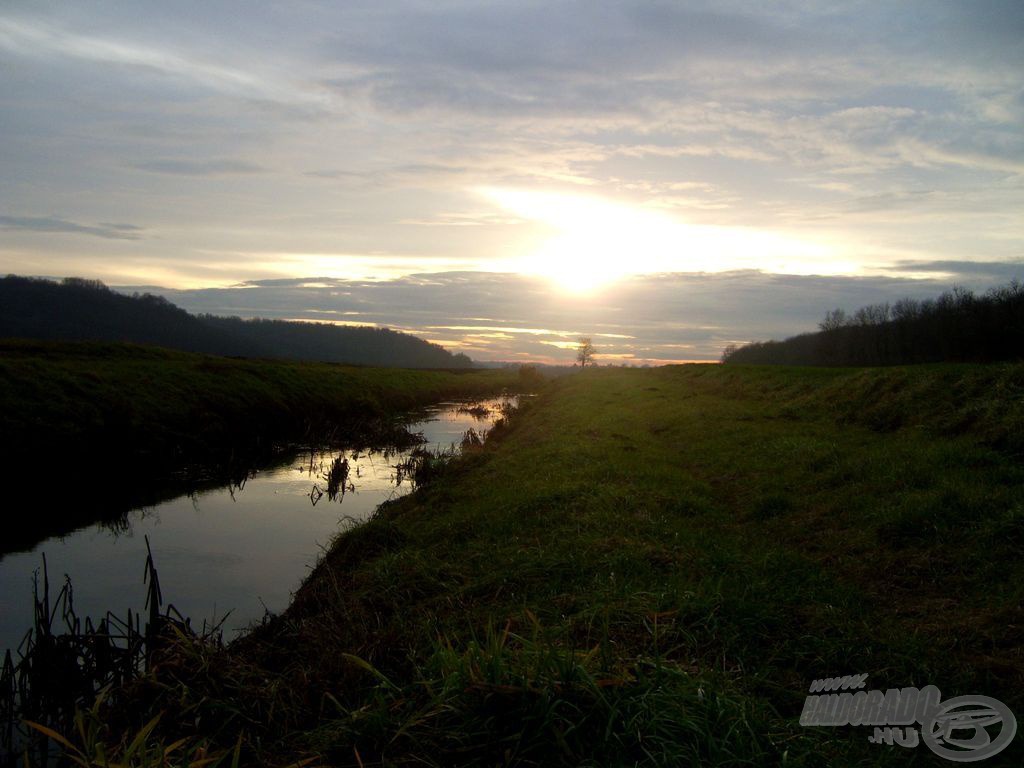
650, 567
177, 405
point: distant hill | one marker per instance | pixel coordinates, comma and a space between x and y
958, 326
86, 310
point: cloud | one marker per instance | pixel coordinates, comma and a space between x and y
583, 60
199, 167
968, 271
668, 317
35, 38
56, 225
357, 131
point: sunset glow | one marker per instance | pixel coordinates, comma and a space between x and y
593, 242
557, 168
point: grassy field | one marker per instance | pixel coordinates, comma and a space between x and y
112, 421
650, 567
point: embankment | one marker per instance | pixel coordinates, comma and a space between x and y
651, 567
114, 425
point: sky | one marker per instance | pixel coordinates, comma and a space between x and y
502, 177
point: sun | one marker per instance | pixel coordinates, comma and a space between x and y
578, 262
595, 242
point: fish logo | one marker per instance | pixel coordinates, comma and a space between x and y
958, 729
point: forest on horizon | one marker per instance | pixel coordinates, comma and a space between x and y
958, 326
87, 310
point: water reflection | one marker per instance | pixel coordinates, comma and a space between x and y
242, 547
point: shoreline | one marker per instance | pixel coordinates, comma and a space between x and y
123, 425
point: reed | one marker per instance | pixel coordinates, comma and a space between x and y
68, 665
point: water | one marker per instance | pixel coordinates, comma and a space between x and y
243, 550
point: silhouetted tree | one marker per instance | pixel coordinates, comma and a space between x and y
956, 326
834, 319
585, 352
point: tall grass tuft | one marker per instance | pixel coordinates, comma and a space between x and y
530, 698
69, 668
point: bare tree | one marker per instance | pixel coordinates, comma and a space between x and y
906, 310
585, 352
833, 320
872, 314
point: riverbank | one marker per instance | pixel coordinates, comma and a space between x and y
125, 425
234, 551
649, 566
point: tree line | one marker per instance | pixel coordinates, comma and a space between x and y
86, 310
958, 326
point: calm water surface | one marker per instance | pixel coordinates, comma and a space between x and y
243, 550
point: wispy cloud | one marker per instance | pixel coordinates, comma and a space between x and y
57, 225
34, 38
200, 167
966, 271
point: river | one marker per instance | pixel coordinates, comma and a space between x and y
238, 549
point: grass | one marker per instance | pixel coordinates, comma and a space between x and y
114, 421
649, 567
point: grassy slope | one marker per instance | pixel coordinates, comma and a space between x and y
175, 404
651, 566
70, 413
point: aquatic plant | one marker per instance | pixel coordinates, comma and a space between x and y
67, 664
476, 410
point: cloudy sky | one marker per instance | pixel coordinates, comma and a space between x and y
667, 177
